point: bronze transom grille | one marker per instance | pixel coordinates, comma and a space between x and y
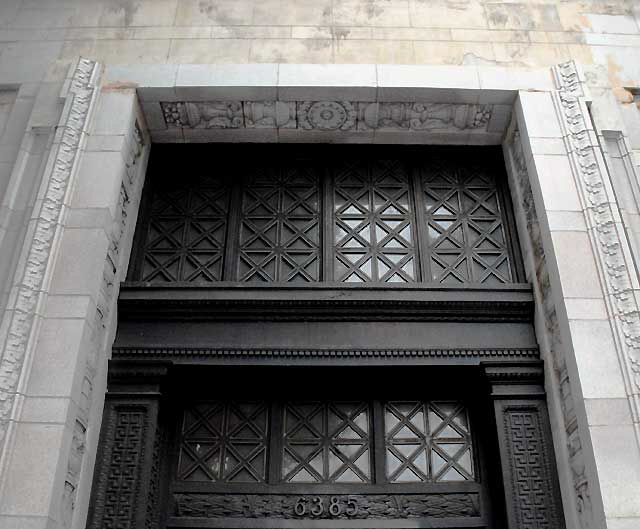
325, 442
431, 216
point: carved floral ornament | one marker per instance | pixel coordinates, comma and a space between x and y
326, 115
60, 170
608, 241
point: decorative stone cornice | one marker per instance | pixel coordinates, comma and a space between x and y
154, 304
61, 166
327, 116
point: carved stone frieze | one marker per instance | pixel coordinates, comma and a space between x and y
204, 115
329, 116
269, 115
424, 116
364, 506
128, 188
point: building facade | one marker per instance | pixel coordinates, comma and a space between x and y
319, 264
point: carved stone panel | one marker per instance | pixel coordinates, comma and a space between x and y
269, 114
204, 115
423, 116
327, 115
351, 507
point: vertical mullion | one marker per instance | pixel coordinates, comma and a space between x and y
223, 440
278, 251
463, 218
276, 435
421, 226
379, 445
371, 219
185, 236
325, 441
232, 242
326, 225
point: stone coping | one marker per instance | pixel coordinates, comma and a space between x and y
325, 102
362, 82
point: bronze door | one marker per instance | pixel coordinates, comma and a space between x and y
325, 337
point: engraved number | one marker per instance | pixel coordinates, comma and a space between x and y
334, 506
352, 506
318, 506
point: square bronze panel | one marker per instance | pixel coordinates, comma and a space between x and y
224, 441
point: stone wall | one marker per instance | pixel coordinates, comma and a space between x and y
489, 32
40, 38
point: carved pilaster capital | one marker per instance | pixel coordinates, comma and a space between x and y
136, 379
515, 380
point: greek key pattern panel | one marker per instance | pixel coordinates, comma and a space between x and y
116, 497
280, 225
530, 473
342, 116
351, 507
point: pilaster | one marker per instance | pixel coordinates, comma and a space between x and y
126, 473
587, 322
60, 320
526, 449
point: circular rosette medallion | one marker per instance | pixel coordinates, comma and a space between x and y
331, 115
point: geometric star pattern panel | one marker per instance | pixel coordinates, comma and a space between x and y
427, 442
373, 223
326, 442
430, 217
224, 442
280, 226
186, 234
464, 225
